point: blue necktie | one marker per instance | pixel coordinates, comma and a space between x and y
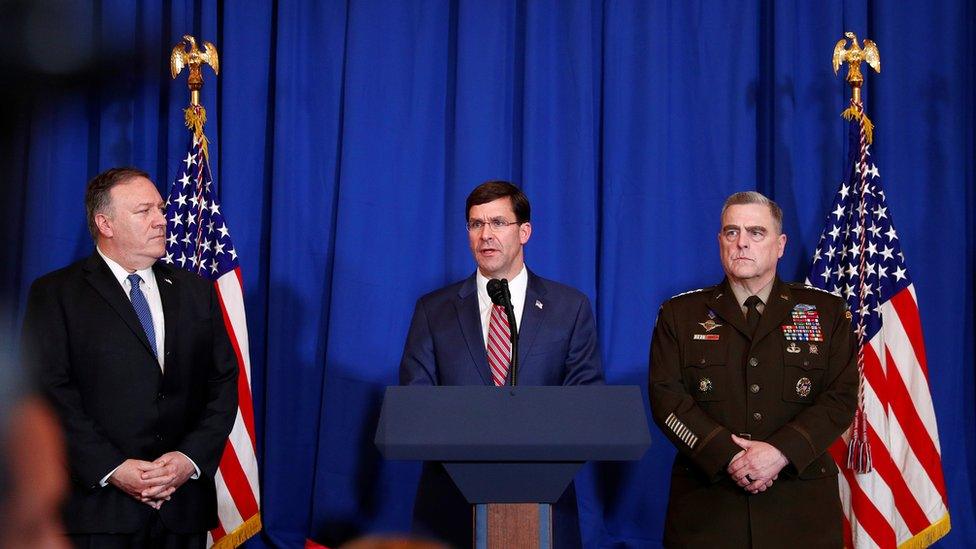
141, 306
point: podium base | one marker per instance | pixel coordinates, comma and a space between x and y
506, 525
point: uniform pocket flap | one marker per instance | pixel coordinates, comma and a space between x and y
804, 360
706, 355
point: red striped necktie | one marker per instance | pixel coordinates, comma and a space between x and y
499, 344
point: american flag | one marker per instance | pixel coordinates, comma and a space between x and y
197, 239
891, 486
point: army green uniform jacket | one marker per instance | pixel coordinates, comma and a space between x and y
793, 384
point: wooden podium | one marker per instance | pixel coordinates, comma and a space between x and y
512, 451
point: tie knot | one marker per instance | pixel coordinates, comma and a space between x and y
134, 279
752, 302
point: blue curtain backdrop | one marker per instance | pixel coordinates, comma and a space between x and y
347, 134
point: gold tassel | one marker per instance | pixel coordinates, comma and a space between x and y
196, 117
852, 113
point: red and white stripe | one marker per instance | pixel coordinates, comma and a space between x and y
499, 345
238, 493
902, 501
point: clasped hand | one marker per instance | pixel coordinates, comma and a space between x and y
153, 482
757, 465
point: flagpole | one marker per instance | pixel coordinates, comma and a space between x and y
891, 482
859, 457
198, 240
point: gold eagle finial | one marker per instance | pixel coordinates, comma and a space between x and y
194, 59
854, 56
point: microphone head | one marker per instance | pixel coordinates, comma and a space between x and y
498, 291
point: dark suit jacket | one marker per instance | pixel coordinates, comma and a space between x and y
95, 365
445, 346
797, 395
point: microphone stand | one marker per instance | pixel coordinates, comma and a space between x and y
500, 295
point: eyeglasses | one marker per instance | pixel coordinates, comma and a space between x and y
496, 224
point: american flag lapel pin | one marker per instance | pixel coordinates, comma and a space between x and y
538, 304
168, 281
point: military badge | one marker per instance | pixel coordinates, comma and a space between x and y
709, 325
814, 350
793, 348
705, 337
803, 387
806, 324
705, 385
848, 315
711, 314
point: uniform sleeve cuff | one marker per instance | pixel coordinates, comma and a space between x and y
716, 451
794, 446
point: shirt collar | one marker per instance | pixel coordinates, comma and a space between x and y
122, 275
516, 286
741, 294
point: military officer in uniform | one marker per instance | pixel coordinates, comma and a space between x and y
752, 380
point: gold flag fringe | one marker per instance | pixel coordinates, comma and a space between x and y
928, 536
196, 117
240, 534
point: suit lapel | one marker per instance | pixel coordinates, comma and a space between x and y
725, 306
777, 310
100, 277
532, 315
469, 316
169, 292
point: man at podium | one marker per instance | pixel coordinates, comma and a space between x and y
459, 337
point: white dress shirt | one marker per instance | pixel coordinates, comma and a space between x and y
151, 290
516, 286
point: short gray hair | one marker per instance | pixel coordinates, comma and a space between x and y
752, 197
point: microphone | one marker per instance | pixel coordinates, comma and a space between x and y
498, 291
500, 295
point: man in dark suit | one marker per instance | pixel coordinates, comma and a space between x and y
752, 380
457, 337
134, 357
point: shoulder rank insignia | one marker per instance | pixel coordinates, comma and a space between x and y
696, 290
801, 286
